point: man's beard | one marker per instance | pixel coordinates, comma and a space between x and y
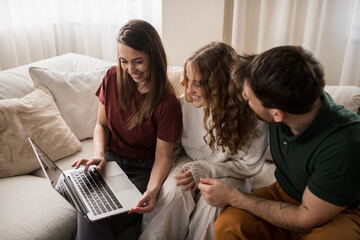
269, 120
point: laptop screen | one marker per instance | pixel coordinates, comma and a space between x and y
52, 172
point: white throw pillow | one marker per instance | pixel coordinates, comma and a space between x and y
35, 116
74, 94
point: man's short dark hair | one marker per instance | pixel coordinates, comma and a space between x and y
288, 78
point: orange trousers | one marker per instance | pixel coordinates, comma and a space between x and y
234, 223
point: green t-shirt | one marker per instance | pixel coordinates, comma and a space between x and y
325, 156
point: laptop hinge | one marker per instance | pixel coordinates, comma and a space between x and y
79, 204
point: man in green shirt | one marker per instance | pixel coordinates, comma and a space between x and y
315, 145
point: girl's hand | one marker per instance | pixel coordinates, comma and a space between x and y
186, 179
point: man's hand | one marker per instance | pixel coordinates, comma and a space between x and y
216, 192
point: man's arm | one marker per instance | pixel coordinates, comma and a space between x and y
311, 213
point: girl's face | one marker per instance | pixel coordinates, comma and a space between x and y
136, 64
193, 84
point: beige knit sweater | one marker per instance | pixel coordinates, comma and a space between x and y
207, 164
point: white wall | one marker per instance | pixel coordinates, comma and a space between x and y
190, 24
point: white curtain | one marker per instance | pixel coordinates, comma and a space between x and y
32, 30
328, 28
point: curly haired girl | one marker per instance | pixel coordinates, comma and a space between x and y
221, 138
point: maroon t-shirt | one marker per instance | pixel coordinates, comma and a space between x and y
164, 123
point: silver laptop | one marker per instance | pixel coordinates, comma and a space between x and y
97, 194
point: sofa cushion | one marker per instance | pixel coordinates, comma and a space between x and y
174, 74
31, 209
74, 94
348, 96
36, 116
16, 82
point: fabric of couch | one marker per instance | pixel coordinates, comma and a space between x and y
53, 102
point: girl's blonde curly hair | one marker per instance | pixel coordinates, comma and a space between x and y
232, 123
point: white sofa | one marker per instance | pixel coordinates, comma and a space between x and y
60, 118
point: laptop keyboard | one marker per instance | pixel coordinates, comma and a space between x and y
97, 193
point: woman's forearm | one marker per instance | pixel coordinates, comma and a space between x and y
159, 172
100, 140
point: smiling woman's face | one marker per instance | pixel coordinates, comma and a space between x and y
193, 85
136, 64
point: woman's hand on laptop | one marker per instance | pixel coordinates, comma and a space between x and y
94, 160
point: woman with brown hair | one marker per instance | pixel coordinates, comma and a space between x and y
221, 138
139, 120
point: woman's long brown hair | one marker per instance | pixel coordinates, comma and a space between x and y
142, 36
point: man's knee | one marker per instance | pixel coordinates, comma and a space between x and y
345, 225
222, 221
229, 220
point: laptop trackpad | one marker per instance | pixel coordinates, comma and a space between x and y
120, 183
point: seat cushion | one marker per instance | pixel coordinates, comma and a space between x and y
31, 209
